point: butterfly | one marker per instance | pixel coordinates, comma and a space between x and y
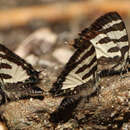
105, 43
18, 79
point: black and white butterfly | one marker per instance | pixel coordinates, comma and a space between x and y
18, 79
105, 41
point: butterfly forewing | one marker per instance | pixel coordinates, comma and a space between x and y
18, 70
80, 69
78, 80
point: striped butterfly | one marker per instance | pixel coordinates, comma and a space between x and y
112, 46
18, 79
108, 40
78, 80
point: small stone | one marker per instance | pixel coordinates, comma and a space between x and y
62, 54
32, 59
45, 62
37, 43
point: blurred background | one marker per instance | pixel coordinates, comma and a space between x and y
39, 28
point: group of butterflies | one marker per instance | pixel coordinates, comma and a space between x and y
104, 42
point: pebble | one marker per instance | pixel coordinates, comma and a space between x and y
32, 59
41, 41
62, 54
48, 63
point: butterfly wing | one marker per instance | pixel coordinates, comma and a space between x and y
114, 27
14, 66
17, 75
77, 80
80, 69
113, 42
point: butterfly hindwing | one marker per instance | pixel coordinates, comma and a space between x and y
115, 29
113, 45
